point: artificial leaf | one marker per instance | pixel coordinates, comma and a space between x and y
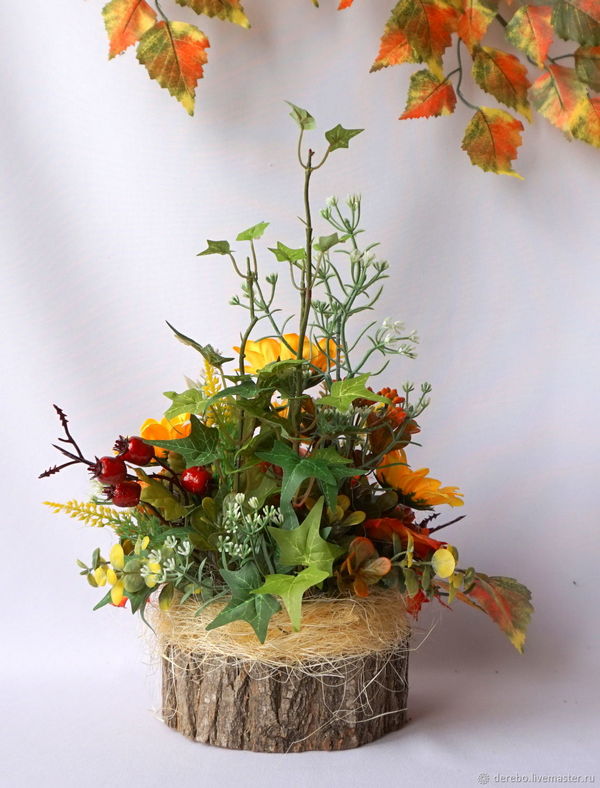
344, 4
587, 126
530, 31
491, 140
302, 117
291, 589
253, 233
443, 562
428, 26
126, 21
174, 54
158, 495
587, 66
344, 392
428, 96
246, 604
190, 401
503, 76
505, 600
476, 17
326, 242
284, 254
200, 447
394, 47
207, 352
577, 20
228, 10
215, 247
339, 137
560, 97
304, 546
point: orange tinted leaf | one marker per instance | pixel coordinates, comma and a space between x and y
530, 31
174, 53
476, 17
228, 10
587, 126
503, 76
577, 20
428, 96
491, 140
559, 97
126, 21
587, 66
394, 48
344, 4
428, 26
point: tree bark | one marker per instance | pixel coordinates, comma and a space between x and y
252, 706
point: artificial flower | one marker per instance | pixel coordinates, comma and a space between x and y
266, 351
166, 430
419, 489
383, 529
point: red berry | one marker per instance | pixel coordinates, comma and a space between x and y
196, 480
110, 470
124, 494
134, 450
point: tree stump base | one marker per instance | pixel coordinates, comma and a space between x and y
252, 706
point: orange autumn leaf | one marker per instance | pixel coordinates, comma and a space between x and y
174, 54
491, 140
126, 21
382, 529
344, 4
428, 26
227, 10
476, 17
503, 76
428, 96
560, 97
530, 31
587, 66
363, 567
577, 20
587, 126
394, 48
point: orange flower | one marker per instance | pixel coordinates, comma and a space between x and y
265, 351
166, 430
363, 567
420, 490
382, 529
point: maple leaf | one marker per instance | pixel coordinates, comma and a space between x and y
587, 126
491, 140
428, 96
560, 97
530, 31
503, 76
126, 21
174, 54
577, 20
475, 19
200, 447
228, 10
428, 26
587, 66
291, 589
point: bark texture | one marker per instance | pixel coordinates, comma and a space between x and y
251, 706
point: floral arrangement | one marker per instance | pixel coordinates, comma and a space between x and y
423, 31
284, 473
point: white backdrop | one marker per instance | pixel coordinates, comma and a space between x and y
108, 191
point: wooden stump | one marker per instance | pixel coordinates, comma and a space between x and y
252, 706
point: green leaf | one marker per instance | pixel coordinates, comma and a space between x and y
587, 66
325, 242
302, 117
200, 447
216, 247
304, 546
291, 589
106, 599
206, 351
156, 494
339, 137
344, 392
577, 20
246, 603
253, 233
285, 254
190, 401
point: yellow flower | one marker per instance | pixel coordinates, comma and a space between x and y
265, 351
416, 485
165, 430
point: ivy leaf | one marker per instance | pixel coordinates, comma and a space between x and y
304, 546
503, 76
284, 254
587, 126
428, 96
530, 31
126, 21
246, 603
291, 589
577, 20
253, 233
477, 16
491, 140
155, 493
339, 137
326, 242
200, 447
344, 392
302, 117
560, 97
394, 48
227, 10
207, 352
190, 401
215, 247
587, 66
428, 26
174, 54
